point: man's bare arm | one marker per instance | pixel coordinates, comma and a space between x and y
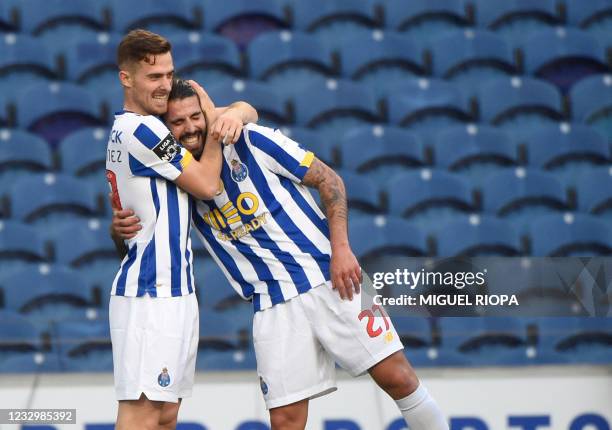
344, 268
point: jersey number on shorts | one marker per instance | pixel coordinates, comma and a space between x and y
112, 181
371, 319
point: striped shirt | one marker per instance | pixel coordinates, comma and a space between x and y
263, 228
143, 159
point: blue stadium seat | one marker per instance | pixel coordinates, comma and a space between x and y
4, 115
47, 294
23, 151
559, 235
214, 290
480, 335
594, 191
333, 18
67, 108
415, 332
83, 152
591, 102
206, 58
563, 56
362, 194
378, 58
80, 243
38, 17
381, 237
429, 195
288, 59
18, 336
24, 59
477, 236
243, 20
34, 362
84, 344
37, 196
519, 102
315, 141
155, 15
91, 60
516, 18
470, 57
426, 104
423, 20
336, 106
223, 331
552, 147
474, 149
210, 360
379, 152
261, 96
522, 192
21, 242
8, 18
592, 15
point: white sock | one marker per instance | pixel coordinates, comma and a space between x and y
421, 411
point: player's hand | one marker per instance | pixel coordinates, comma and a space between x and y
227, 127
125, 225
206, 102
345, 272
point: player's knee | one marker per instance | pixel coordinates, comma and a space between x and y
287, 419
397, 377
169, 416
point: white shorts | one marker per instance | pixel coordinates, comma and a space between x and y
297, 343
155, 342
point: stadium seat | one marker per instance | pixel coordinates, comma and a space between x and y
24, 59
206, 58
431, 197
21, 242
261, 96
591, 102
333, 18
336, 106
38, 17
154, 15
592, 15
477, 236
479, 149
79, 243
33, 362
23, 151
426, 104
516, 19
362, 194
83, 152
8, 18
379, 151
224, 331
243, 20
476, 335
519, 102
415, 332
84, 344
315, 141
552, 146
522, 191
18, 335
563, 56
471, 57
67, 108
37, 196
380, 237
566, 235
594, 191
47, 294
379, 58
424, 20
289, 60
211, 360
214, 290
91, 60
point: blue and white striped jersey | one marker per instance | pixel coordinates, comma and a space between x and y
263, 228
143, 159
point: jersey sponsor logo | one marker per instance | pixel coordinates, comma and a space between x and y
167, 149
163, 379
239, 171
230, 215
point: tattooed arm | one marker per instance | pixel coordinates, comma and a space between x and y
344, 268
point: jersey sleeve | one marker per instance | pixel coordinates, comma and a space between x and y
283, 155
154, 152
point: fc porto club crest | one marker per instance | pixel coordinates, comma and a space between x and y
163, 379
263, 385
239, 171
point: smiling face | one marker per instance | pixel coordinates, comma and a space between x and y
187, 123
148, 84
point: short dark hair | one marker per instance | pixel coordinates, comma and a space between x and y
181, 89
140, 45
